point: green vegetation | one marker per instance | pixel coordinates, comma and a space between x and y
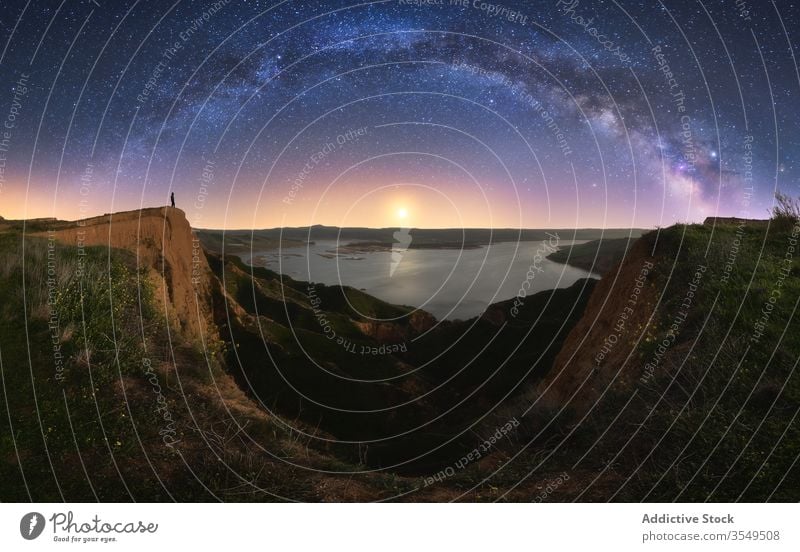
742, 367
100, 402
66, 341
786, 211
714, 416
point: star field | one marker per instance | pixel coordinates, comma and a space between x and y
488, 113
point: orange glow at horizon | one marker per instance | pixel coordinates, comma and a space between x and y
390, 205
408, 205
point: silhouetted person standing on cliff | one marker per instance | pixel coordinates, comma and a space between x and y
172, 198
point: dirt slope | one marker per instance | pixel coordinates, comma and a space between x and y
597, 350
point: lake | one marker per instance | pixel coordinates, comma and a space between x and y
448, 283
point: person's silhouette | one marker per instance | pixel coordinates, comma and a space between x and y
172, 198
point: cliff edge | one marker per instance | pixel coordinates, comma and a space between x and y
598, 350
166, 247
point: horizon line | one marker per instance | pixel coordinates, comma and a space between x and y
488, 228
430, 228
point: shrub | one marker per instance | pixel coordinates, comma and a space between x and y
786, 211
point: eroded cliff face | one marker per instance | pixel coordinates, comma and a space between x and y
166, 247
598, 351
388, 332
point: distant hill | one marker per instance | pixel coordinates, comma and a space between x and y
260, 240
598, 256
712, 221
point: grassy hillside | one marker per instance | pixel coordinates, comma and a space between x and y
67, 342
704, 405
101, 401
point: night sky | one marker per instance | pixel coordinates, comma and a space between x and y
390, 113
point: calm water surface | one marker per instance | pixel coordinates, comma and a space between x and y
448, 283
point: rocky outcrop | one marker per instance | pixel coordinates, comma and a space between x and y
166, 247
416, 323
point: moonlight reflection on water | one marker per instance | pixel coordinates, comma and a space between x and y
448, 283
